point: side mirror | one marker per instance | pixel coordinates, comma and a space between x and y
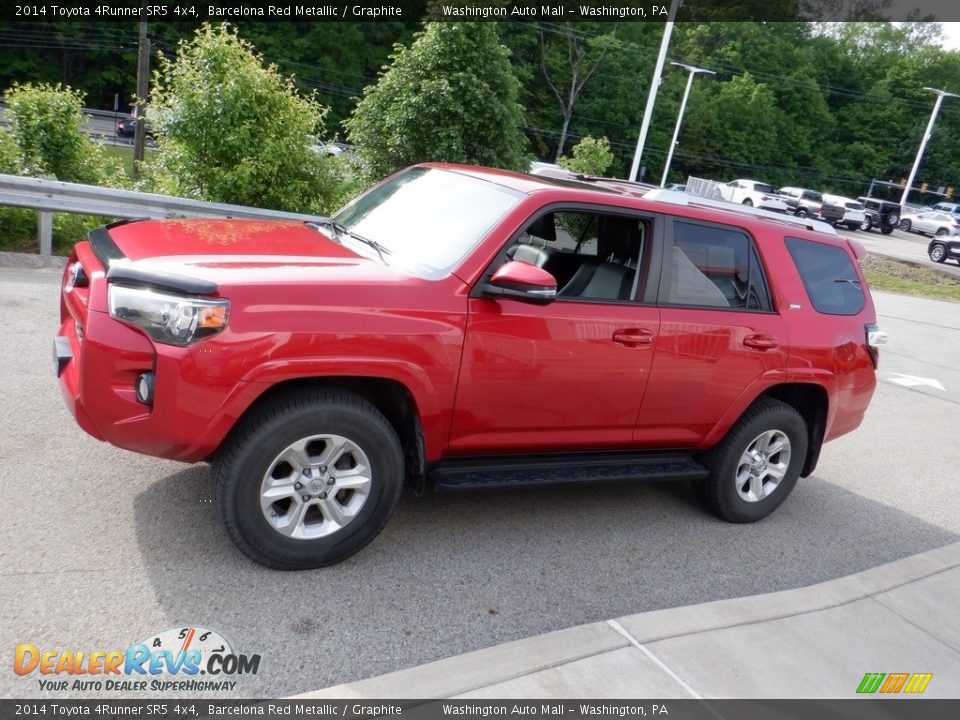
522, 281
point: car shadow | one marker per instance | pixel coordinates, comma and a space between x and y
452, 573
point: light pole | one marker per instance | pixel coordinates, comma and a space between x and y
654, 86
683, 106
941, 94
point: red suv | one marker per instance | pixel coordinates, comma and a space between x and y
468, 327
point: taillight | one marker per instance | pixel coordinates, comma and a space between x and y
875, 338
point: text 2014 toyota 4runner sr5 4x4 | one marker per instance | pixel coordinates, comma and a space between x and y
462, 327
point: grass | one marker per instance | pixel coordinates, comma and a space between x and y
890, 275
123, 153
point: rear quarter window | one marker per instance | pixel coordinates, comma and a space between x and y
829, 276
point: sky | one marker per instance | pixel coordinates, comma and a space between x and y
951, 35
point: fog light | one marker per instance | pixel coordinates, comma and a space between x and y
145, 388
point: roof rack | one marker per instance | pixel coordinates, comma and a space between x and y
679, 198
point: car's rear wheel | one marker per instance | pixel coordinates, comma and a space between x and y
308, 479
905, 225
754, 468
801, 213
942, 232
886, 230
938, 252
748, 202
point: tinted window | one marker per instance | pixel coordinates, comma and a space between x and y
713, 266
829, 277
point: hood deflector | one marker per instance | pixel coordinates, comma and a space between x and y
112, 257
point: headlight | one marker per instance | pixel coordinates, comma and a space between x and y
170, 319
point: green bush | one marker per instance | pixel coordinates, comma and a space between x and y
9, 156
451, 96
47, 128
231, 129
590, 157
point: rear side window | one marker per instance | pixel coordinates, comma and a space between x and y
715, 266
829, 277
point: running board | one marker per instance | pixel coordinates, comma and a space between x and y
536, 470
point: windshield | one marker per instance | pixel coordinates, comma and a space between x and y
426, 220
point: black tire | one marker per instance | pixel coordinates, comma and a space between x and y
886, 230
254, 445
942, 232
853, 227
937, 252
801, 212
867, 224
748, 202
905, 225
719, 491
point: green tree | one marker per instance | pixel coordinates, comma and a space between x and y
590, 157
48, 130
231, 129
451, 96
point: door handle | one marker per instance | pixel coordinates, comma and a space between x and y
761, 342
633, 337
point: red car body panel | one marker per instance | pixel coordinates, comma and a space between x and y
485, 375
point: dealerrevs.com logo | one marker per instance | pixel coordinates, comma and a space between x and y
179, 659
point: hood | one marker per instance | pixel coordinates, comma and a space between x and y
144, 239
201, 256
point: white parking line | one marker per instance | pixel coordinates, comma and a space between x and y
915, 381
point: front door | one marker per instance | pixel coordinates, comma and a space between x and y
571, 374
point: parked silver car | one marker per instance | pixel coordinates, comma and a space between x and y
931, 222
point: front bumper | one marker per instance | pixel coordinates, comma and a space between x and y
98, 375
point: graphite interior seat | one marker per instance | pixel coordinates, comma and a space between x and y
612, 278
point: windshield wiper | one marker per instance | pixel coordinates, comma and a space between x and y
340, 229
855, 283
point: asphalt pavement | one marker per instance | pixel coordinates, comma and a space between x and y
100, 548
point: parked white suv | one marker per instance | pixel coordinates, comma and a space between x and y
853, 214
753, 192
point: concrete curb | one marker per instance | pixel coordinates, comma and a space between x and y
29, 260
475, 670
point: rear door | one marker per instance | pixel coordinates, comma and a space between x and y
719, 332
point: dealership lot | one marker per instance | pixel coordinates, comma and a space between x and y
101, 548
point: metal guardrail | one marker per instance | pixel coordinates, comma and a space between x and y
49, 196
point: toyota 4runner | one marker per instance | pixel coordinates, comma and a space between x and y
463, 327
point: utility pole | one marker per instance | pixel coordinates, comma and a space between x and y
143, 76
941, 94
683, 106
654, 86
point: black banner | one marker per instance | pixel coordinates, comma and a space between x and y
478, 10
859, 709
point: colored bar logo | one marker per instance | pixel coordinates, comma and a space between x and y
890, 683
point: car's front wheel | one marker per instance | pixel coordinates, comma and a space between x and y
748, 202
938, 252
866, 224
308, 479
757, 464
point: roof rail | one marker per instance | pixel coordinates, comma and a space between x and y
679, 198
